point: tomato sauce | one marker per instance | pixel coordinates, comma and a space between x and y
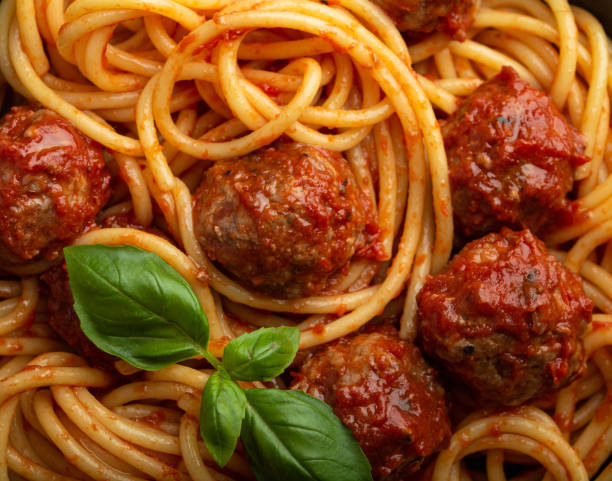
506, 318
53, 182
511, 156
383, 390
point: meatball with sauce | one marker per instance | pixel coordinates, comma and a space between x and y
53, 182
418, 18
510, 156
282, 219
506, 319
382, 389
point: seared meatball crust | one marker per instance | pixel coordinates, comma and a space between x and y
418, 18
511, 156
64, 320
53, 182
382, 389
506, 319
282, 219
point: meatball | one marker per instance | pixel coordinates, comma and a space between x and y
418, 18
510, 156
506, 319
53, 182
283, 218
382, 389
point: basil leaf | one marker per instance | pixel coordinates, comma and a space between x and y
289, 435
135, 306
262, 354
221, 415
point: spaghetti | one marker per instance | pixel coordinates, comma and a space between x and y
169, 87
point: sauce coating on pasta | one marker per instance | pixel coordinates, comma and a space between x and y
311, 164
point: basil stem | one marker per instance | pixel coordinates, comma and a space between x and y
135, 306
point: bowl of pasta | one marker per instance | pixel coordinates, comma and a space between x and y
305, 240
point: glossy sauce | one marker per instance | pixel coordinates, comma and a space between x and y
284, 218
506, 317
511, 156
382, 389
53, 182
418, 18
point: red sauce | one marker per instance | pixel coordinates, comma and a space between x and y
420, 259
269, 90
495, 430
209, 46
155, 419
230, 35
284, 218
510, 155
563, 421
65, 322
506, 318
381, 388
53, 182
319, 329
418, 18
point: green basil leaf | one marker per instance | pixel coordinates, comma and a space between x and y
221, 415
262, 354
289, 435
135, 306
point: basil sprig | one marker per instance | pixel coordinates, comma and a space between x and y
261, 355
134, 305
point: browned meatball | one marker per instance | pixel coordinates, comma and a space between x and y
283, 218
506, 318
382, 389
510, 157
53, 182
418, 18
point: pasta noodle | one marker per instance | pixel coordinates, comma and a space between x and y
169, 87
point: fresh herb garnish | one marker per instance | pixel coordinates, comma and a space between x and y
132, 304
261, 355
221, 415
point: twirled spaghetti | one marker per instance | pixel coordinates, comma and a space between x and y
170, 87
